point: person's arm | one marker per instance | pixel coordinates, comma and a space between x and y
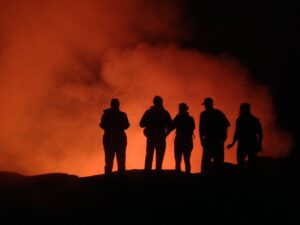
260, 136
171, 128
192, 126
201, 129
126, 122
143, 122
235, 136
103, 122
227, 123
169, 124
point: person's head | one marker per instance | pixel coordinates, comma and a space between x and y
208, 103
115, 103
244, 108
183, 107
158, 101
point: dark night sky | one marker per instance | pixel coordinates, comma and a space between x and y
264, 36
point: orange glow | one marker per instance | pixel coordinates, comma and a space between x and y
62, 61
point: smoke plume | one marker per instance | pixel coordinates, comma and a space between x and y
62, 61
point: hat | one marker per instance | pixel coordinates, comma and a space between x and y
208, 101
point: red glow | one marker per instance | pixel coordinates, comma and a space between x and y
60, 68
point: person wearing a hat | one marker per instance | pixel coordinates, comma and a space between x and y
183, 144
213, 133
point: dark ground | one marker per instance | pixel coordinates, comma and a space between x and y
272, 196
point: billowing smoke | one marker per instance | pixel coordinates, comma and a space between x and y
62, 61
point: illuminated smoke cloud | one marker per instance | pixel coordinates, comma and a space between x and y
62, 61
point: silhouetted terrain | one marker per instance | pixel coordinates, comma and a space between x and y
272, 196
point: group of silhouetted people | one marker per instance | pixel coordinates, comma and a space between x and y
158, 124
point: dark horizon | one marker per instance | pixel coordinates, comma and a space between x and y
136, 198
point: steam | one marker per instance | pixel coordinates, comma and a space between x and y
62, 61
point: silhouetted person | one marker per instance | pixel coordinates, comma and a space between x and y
213, 132
249, 135
156, 122
114, 122
183, 144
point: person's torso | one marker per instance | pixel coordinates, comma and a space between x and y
157, 121
248, 129
184, 125
214, 124
115, 121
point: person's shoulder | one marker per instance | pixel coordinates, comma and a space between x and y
190, 117
179, 116
203, 115
204, 112
219, 112
256, 119
105, 111
239, 120
151, 109
148, 111
165, 111
122, 113
176, 118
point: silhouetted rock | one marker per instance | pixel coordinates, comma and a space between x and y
167, 197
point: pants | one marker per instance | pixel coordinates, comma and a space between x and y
158, 144
114, 145
213, 152
183, 147
241, 157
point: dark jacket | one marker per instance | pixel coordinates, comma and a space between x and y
184, 125
248, 132
114, 121
156, 121
213, 126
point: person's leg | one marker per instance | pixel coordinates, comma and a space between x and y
160, 153
219, 158
187, 150
206, 160
121, 154
149, 154
187, 156
109, 154
252, 157
241, 156
109, 159
178, 155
